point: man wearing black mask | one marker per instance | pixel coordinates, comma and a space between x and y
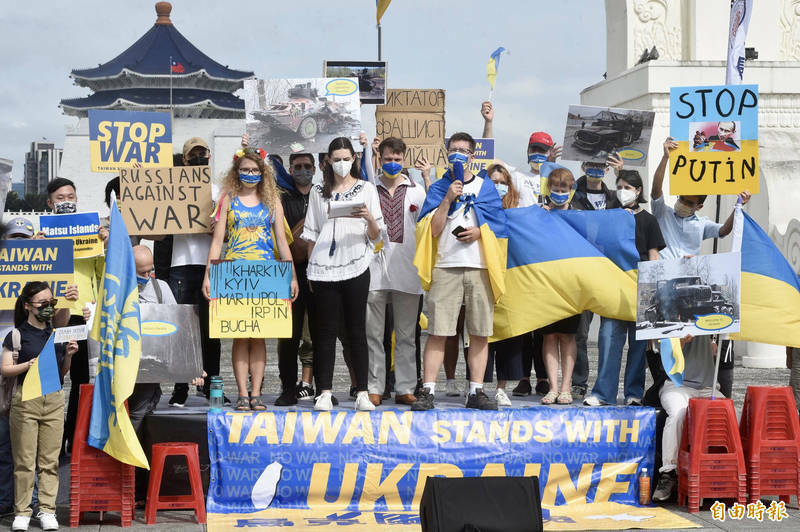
295, 203
189, 255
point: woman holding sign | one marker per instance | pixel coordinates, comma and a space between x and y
343, 223
38, 423
253, 217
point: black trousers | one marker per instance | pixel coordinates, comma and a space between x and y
186, 283
351, 297
532, 355
288, 347
78, 374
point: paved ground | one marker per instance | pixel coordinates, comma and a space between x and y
180, 520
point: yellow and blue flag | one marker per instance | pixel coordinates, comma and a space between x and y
381, 6
770, 292
555, 272
491, 220
117, 327
494, 65
43, 376
672, 359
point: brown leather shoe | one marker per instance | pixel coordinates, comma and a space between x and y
405, 399
375, 399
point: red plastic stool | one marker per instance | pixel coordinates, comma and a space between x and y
98, 482
711, 459
193, 501
770, 433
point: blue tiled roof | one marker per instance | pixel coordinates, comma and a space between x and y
156, 97
150, 55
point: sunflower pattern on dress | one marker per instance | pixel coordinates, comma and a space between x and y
249, 232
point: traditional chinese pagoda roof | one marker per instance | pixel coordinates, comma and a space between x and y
160, 57
187, 103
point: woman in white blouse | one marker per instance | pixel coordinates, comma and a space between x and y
343, 224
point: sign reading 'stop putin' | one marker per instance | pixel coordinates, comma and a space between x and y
120, 139
716, 129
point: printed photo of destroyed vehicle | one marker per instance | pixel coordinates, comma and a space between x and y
592, 133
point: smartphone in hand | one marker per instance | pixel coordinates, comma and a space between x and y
458, 230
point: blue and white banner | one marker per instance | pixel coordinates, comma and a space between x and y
275, 468
737, 33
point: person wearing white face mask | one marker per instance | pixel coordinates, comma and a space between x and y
340, 250
613, 333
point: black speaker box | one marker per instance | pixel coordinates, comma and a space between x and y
481, 504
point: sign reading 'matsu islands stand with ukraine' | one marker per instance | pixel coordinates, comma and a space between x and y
22, 261
81, 228
118, 139
365, 470
716, 129
250, 299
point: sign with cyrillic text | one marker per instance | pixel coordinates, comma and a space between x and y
160, 201
417, 117
250, 299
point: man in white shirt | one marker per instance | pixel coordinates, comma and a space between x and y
189, 256
460, 276
393, 276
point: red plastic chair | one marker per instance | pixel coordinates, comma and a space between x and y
194, 501
770, 433
98, 482
711, 458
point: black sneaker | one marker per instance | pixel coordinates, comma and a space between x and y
543, 388
304, 392
667, 486
178, 398
286, 398
353, 392
480, 401
522, 389
424, 401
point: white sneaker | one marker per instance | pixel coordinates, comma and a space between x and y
452, 389
363, 403
501, 398
47, 521
591, 400
21, 522
324, 402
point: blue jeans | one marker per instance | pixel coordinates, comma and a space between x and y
6, 465
610, 342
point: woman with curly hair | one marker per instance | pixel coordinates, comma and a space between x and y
251, 215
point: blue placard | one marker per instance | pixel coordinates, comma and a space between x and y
22, 261
251, 279
81, 227
118, 139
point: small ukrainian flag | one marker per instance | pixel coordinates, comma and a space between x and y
43, 376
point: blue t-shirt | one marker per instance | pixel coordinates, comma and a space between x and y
32, 341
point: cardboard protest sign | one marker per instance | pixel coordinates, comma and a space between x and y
22, 261
417, 117
158, 201
696, 296
82, 228
301, 115
592, 133
117, 139
716, 128
483, 157
371, 77
250, 299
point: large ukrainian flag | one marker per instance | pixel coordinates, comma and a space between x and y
117, 328
770, 293
554, 272
491, 220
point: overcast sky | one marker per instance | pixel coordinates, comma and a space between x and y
557, 49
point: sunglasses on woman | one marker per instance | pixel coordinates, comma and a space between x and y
39, 304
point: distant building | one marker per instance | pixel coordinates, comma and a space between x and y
41, 166
19, 188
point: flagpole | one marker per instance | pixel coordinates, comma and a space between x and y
379, 41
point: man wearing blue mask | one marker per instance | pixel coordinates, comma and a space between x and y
456, 208
393, 276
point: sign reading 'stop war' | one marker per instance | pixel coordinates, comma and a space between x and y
716, 128
22, 261
250, 299
417, 117
120, 139
80, 227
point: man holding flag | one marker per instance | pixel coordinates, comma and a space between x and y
118, 330
461, 259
